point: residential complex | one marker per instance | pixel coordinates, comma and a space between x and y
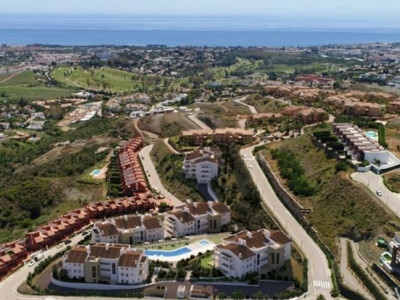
111, 263
363, 148
196, 218
11, 256
257, 251
133, 179
128, 229
220, 135
202, 164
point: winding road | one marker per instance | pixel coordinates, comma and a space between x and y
319, 275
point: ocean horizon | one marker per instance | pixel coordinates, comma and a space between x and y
172, 31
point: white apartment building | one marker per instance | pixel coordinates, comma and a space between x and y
130, 229
197, 218
202, 164
113, 263
258, 251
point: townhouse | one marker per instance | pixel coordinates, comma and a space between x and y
220, 135
133, 179
128, 229
202, 164
196, 218
11, 256
363, 109
257, 251
112, 263
306, 115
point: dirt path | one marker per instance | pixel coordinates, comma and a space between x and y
10, 77
349, 278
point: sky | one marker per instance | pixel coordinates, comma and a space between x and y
341, 9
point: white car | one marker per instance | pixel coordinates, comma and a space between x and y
31, 263
379, 193
250, 166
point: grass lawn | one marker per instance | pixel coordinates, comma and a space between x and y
340, 206
292, 269
206, 260
25, 85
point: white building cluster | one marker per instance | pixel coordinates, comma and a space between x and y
128, 229
256, 251
113, 263
197, 218
202, 164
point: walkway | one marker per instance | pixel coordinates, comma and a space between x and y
349, 278
152, 175
252, 109
319, 275
172, 149
198, 122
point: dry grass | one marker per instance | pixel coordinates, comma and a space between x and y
166, 125
392, 181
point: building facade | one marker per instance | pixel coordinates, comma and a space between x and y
197, 218
202, 164
128, 229
258, 251
112, 263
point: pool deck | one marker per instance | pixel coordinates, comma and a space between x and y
195, 248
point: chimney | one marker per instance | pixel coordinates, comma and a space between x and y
126, 217
240, 255
107, 246
249, 234
88, 249
195, 204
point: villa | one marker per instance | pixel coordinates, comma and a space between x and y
113, 263
257, 251
196, 218
130, 229
202, 164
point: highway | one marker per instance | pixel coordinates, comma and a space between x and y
152, 175
319, 275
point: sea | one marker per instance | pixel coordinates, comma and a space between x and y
226, 31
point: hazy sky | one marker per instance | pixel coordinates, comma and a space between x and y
364, 9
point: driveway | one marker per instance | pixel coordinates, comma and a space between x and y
375, 183
152, 175
319, 275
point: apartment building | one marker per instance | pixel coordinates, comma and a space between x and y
257, 251
221, 135
197, 218
363, 109
393, 107
202, 164
112, 263
128, 229
133, 179
11, 256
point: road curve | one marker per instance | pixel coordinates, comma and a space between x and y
319, 275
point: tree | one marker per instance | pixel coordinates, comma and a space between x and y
321, 297
221, 296
258, 295
237, 295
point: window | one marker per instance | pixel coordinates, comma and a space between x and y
113, 268
277, 258
94, 272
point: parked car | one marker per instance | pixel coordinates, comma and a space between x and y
31, 263
67, 242
379, 193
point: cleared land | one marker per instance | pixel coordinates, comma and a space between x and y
166, 125
26, 86
340, 207
392, 181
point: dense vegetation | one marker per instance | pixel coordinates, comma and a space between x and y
291, 170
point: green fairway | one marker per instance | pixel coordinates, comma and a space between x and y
98, 79
24, 85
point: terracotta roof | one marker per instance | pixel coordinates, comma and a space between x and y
220, 207
255, 239
279, 237
241, 251
127, 222
201, 209
77, 255
182, 216
107, 229
130, 259
151, 222
100, 250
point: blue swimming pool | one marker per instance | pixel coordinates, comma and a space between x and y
96, 172
166, 253
372, 135
204, 243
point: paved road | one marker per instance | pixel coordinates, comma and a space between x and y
170, 147
198, 122
252, 109
319, 275
375, 183
349, 278
152, 175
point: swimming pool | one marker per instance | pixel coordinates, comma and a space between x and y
372, 135
166, 253
95, 172
204, 243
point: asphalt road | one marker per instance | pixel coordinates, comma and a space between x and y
319, 275
198, 122
375, 183
152, 175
